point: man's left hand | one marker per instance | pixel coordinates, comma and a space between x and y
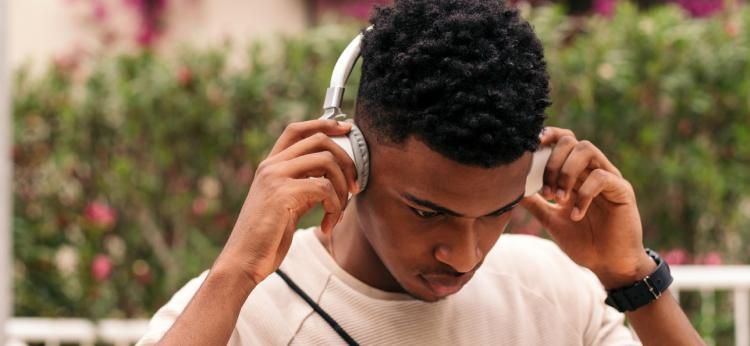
590, 210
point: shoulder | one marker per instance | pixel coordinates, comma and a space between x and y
272, 312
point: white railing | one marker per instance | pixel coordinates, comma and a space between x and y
53, 332
706, 279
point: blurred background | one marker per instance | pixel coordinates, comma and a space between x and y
137, 126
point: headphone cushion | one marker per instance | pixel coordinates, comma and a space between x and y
361, 156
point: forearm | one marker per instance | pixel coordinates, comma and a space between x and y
662, 322
211, 315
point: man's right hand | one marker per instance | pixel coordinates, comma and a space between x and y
304, 167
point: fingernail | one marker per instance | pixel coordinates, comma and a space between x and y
343, 123
546, 190
561, 194
575, 214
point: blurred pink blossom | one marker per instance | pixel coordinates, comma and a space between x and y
100, 10
101, 214
359, 9
676, 256
184, 76
150, 12
101, 267
146, 34
701, 8
604, 7
711, 258
199, 206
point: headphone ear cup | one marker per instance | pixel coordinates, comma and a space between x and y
361, 156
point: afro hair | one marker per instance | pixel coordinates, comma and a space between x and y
466, 77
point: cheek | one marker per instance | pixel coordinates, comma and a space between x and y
491, 231
393, 233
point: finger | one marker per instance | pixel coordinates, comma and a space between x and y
601, 182
295, 132
318, 164
559, 155
551, 135
542, 210
320, 142
321, 190
585, 156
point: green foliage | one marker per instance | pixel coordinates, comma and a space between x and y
666, 98
141, 163
145, 163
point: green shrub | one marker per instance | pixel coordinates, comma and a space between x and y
128, 182
667, 99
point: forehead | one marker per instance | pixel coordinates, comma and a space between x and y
414, 168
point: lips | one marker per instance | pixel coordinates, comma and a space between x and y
443, 285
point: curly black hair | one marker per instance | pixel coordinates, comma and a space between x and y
466, 77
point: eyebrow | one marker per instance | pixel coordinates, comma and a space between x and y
438, 208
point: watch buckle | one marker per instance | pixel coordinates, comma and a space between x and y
651, 287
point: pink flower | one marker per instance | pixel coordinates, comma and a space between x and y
199, 206
701, 8
146, 34
101, 267
604, 7
100, 10
101, 214
357, 9
732, 29
676, 256
711, 258
184, 76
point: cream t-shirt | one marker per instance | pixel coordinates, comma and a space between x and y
527, 292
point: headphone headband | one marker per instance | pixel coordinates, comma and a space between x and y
341, 72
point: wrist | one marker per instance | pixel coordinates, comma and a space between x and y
229, 275
641, 268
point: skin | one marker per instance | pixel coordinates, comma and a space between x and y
384, 242
381, 239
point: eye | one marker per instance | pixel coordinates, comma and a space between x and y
424, 213
502, 211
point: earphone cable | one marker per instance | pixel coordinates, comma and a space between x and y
331, 322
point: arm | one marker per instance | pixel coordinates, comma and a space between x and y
664, 314
305, 167
214, 308
595, 221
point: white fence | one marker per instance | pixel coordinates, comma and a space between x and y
53, 332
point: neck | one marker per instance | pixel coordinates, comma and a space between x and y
351, 250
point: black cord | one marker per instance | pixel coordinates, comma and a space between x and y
331, 322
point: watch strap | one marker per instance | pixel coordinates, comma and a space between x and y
644, 291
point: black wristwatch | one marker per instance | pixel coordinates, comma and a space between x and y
644, 291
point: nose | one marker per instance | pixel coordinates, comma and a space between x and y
461, 252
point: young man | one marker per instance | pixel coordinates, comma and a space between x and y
451, 103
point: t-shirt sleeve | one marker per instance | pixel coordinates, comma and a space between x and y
606, 325
167, 314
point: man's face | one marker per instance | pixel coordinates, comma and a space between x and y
431, 220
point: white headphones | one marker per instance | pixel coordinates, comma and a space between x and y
354, 143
